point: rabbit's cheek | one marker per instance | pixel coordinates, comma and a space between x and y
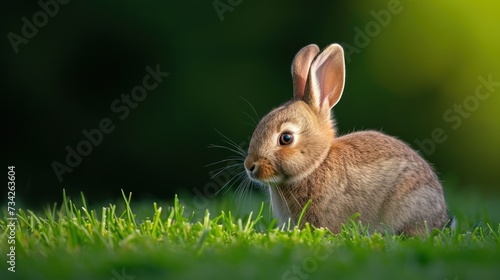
265, 172
290, 162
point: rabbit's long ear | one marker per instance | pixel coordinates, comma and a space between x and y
300, 69
326, 78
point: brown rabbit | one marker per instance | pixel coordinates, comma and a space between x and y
296, 153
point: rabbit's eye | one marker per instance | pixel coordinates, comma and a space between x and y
286, 138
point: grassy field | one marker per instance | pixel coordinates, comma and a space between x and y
145, 240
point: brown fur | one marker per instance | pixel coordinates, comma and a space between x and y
367, 172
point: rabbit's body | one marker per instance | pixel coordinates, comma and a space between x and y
295, 152
394, 190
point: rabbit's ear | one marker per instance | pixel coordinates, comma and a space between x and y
300, 69
326, 80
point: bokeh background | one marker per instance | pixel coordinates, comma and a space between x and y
404, 75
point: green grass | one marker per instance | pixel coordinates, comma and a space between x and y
168, 242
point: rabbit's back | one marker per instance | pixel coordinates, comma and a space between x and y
381, 178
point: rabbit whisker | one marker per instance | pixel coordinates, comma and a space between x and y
282, 196
231, 142
229, 183
234, 158
253, 109
239, 152
243, 191
225, 168
252, 125
295, 198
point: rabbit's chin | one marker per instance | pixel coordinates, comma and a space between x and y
277, 180
271, 181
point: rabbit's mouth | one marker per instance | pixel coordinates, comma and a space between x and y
263, 172
270, 181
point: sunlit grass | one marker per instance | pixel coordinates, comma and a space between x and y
72, 241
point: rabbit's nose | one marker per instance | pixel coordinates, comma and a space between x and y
252, 168
249, 165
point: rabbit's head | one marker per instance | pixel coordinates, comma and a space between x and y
294, 139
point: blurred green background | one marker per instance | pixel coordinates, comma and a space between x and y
413, 68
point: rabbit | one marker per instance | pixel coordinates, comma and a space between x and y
296, 154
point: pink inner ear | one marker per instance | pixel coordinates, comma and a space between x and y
300, 69
327, 76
